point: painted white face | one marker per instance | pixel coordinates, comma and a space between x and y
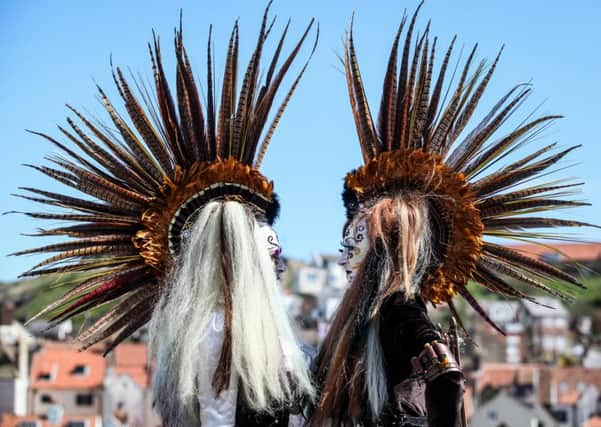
270, 238
355, 244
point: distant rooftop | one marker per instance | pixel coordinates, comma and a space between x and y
8, 420
501, 311
564, 251
131, 359
554, 307
593, 422
64, 367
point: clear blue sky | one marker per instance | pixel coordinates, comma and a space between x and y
53, 52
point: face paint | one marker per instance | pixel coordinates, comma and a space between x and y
355, 245
269, 236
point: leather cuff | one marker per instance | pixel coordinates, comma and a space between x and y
436, 359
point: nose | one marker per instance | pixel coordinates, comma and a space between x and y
341, 260
280, 265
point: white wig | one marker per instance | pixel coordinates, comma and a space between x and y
265, 355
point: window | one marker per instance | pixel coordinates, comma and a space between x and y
513, 339
548, 342
312, 277
548, 322
79, 370
84, 400
561, 415
46, 398
563, 387
561, 322
44, 376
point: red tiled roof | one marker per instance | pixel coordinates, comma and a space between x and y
9, 420
568, 251
139, 375
131, 359
593, 422
59, 362
565, 379
498, 375
130, 354
570, 398
571, 376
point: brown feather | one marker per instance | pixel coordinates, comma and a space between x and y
529, 263
518, 274
282, 107
143, 124
478, 308
367, 137
75, 203
508, 176
115, 319
228, 96
402, 99
87, 285
211, 137
263, 108
435, 99
388, 104
120, 152
488, 205
142, 316
445, 124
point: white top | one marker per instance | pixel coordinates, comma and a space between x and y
215, 411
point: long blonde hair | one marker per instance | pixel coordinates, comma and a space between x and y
401, 225
348, 365
225, 263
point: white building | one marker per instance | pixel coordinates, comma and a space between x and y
506, 411
15, 342
547, 327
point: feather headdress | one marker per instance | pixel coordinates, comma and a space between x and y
145, 181
424, 144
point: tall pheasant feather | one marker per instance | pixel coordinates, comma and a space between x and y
122, 174
416, 124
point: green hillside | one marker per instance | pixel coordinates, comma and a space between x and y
31, 296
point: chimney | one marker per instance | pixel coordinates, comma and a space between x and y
23, 367
7, 313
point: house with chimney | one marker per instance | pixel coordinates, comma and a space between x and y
505, 410
127, 394
570, 394
66, 380
547, 327
533, 332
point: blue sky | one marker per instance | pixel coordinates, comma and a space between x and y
55, 52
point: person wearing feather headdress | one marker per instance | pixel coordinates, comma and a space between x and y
176, 231
418, 212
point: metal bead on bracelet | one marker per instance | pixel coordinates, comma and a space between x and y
436, 359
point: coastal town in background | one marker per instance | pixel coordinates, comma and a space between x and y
544, 372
